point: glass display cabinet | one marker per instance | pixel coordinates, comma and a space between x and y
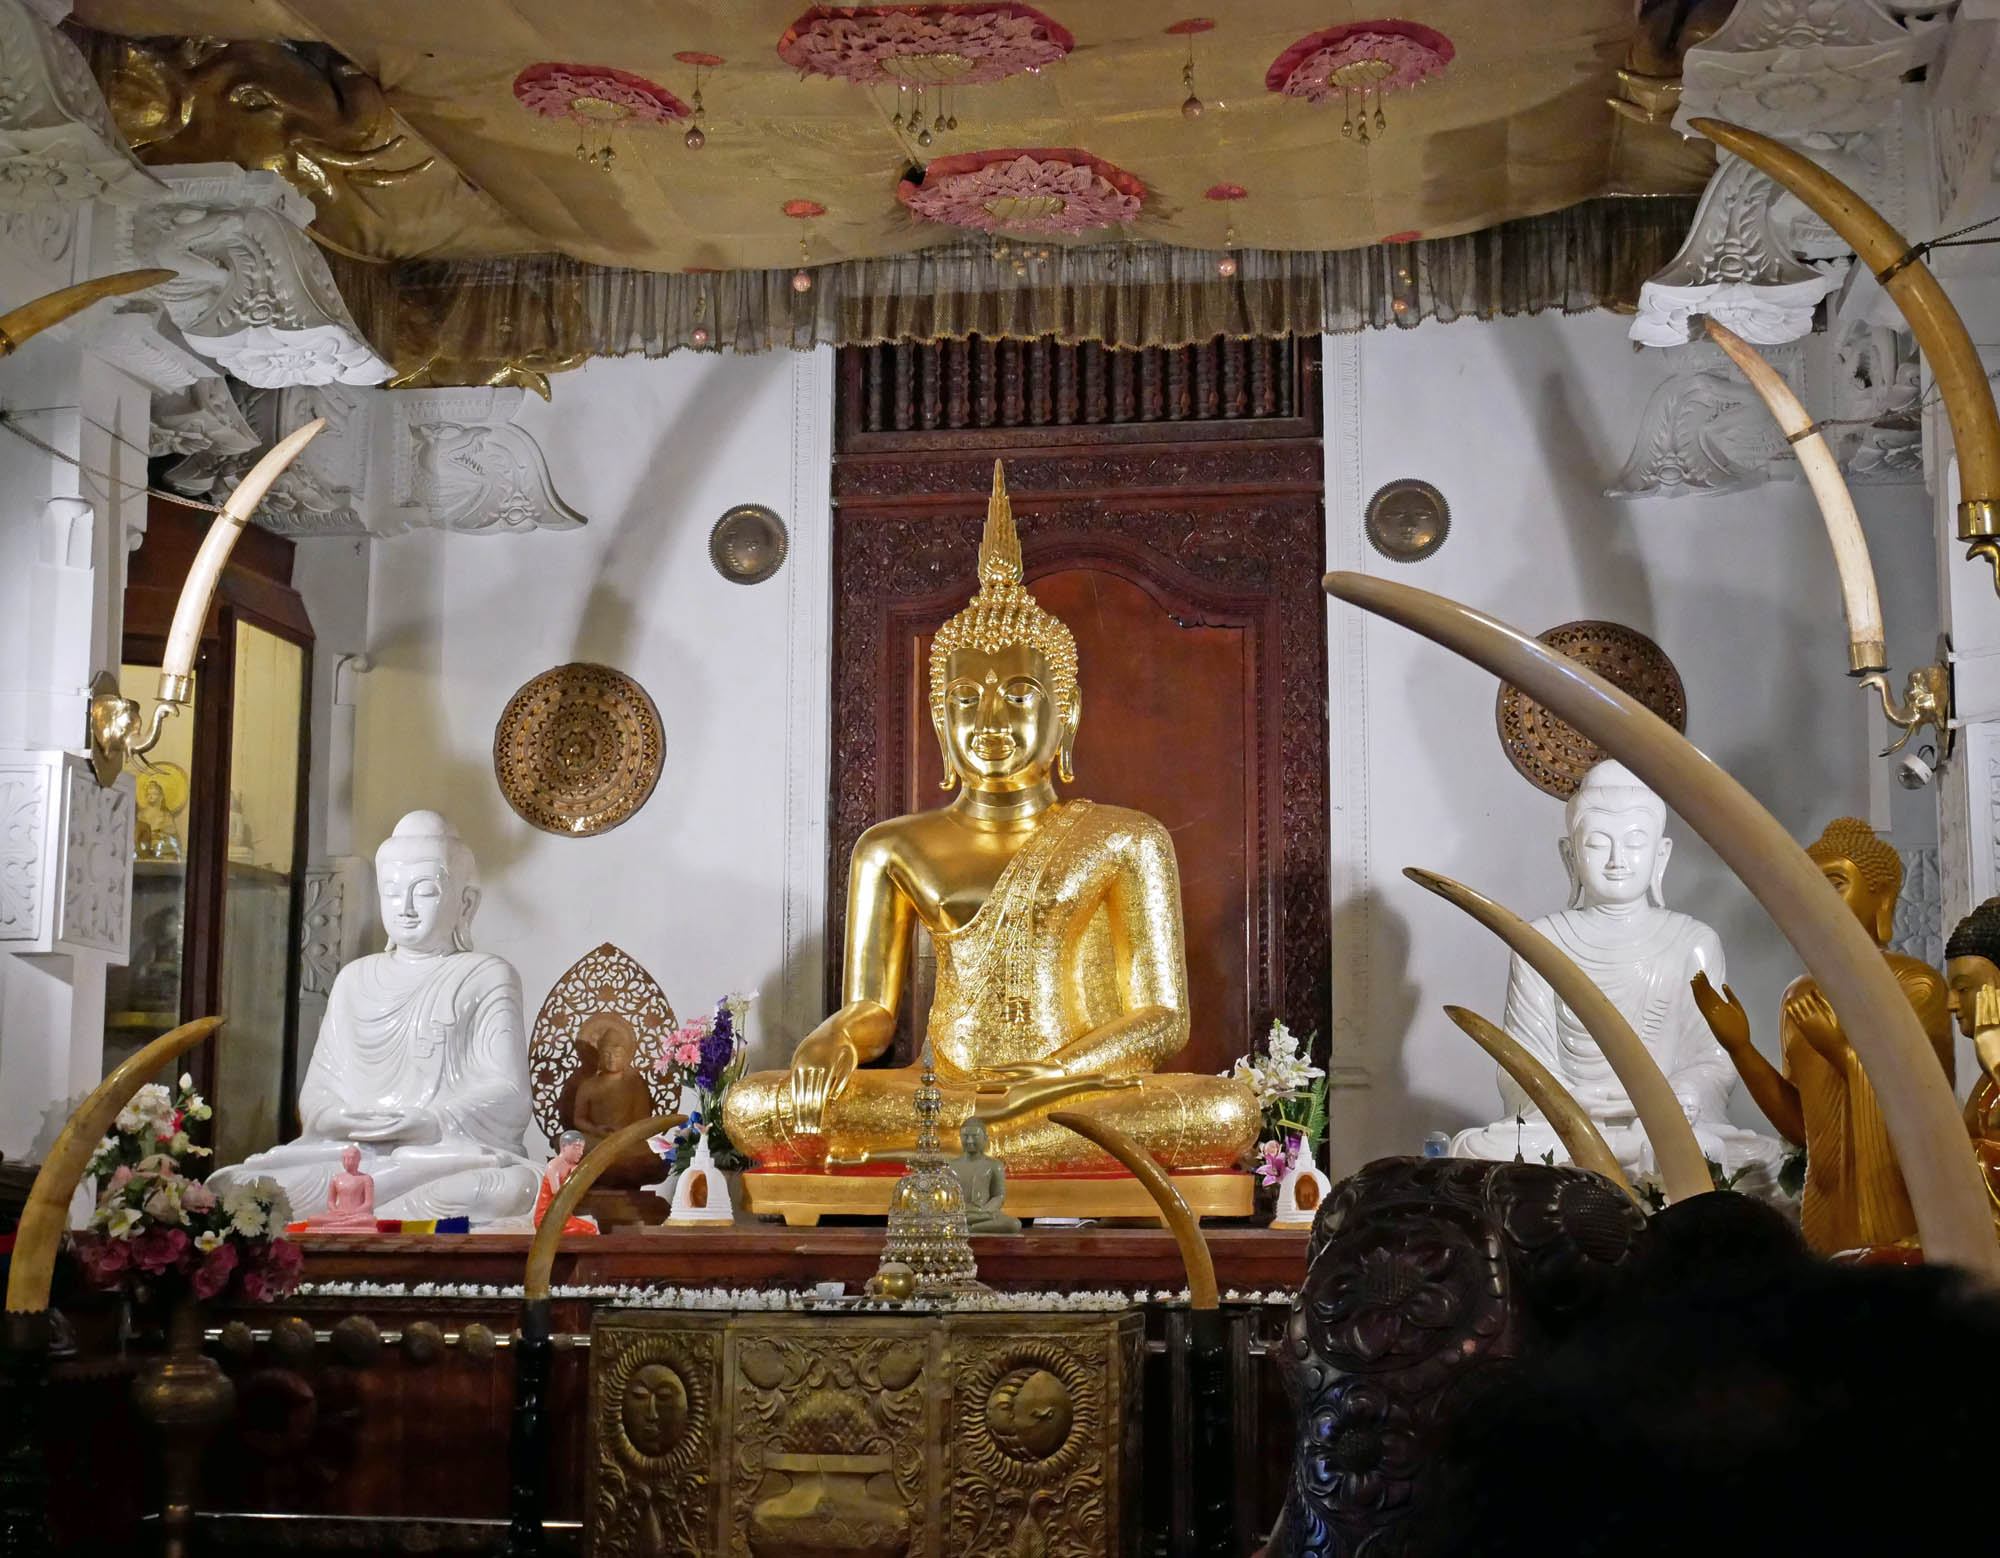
219, 843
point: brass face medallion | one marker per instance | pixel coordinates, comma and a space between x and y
748, 544
1407, 520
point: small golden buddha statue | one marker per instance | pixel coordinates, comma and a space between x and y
1972, 971
1822, 1100
1057, 925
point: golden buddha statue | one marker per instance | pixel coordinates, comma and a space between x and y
1057, 924
1822, 1101
1972, 972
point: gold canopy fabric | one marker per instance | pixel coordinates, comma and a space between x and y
1517, 125
463, 321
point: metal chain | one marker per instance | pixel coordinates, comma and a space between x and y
7, 421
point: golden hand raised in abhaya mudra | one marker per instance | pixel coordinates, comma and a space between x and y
1060, 970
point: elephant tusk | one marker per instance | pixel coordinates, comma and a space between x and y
1580, 1135
1200, 1265
1961, 378
21, 325
542, 1251
1945, 1186
1866, 650
1682, 1167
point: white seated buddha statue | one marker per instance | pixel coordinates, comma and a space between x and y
422, 1059
1642, 955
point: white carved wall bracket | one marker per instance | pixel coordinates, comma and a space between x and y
252, 292
391, 461
57, 141
1704, 431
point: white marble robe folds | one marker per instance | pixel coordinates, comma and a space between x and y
437, 1047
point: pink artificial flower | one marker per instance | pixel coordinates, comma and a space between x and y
212, 1275
103, 1259
120, 1178
159, 1249
197, 1197
1271, 1162
688, 1053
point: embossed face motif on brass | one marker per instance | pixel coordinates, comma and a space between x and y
1408, 520
1030, 1414
655, 1409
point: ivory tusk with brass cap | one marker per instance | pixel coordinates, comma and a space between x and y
21, 325
1683, 1169
46, 1215
191, 610
562, 1205
1580, 1136
1866, 650
1946, 1188
1961, 378
1200, 1265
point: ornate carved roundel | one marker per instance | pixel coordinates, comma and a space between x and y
1028, 1411
656, 1405
1552, 754
578, 749
1030, 1414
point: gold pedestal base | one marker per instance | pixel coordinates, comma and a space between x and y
802, 1197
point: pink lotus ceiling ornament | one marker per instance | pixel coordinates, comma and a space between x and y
1359, 59
1048, 190
926, 52
596, 98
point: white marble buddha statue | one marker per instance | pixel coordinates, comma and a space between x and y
1642, 955
422, 1059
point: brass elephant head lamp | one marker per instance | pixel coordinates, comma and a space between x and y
115, 721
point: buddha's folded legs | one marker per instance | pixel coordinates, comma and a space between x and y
446, 1179
1188, 1122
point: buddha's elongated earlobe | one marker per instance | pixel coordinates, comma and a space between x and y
1072, 716
1568, 852
1656, 889
950, 779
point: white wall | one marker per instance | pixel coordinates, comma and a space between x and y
715, 884
1522, 423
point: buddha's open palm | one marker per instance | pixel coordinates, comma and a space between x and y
1007, 1091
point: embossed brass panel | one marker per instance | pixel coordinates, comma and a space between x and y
864, 1436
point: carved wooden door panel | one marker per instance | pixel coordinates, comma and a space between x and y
1185, 554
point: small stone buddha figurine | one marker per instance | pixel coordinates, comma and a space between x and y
1057, 928
1639, 953
422, 1058
350, 1198
1822, 1099
1972, 975
984, 1180
611, 1096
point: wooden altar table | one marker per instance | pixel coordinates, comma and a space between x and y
395, 1454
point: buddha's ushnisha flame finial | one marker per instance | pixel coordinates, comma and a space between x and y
1000, 547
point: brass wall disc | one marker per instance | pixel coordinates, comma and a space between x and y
1552, 754
578, 749
748, 544
1407, 520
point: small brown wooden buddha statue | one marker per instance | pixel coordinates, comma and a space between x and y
1822, 1100
1972, 970
611, 1095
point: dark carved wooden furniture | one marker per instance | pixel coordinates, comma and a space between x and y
1169, 503
1426, 1277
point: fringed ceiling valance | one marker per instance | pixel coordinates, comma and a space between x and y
471, 321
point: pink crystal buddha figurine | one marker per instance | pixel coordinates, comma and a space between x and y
350, 1198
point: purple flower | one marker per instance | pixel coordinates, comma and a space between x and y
718, 1048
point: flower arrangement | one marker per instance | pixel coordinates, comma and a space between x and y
1291, 1093
154, 1227
704, 1058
